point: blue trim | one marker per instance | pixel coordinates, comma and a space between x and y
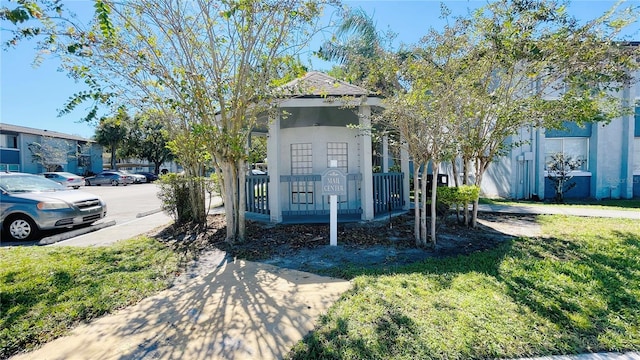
582, 190
570, 129
10, 156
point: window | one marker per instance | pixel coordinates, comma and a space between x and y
301, 164
8, 141
575, 147
301, 159
338, 151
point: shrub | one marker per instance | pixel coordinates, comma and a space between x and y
182, 197
460, 195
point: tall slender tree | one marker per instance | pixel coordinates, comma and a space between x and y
147, 138
111, 132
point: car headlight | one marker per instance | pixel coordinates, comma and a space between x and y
52, 205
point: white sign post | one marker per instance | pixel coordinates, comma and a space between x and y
334, 183
333, 220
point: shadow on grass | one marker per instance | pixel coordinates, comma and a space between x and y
58, 290
589, 292
583, 297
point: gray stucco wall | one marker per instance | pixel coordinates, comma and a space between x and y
318, 137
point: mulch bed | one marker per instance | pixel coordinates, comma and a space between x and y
305, 246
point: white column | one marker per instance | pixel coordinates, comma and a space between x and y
273, 161
404, 165
366, 188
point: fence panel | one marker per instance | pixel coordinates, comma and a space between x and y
257, 190
388, 192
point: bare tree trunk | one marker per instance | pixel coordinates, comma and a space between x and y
423, 216
196, 197
242, 199
481, 166
454, 166
434, 187
113, 157
456, 182
416, 203
229, 204
465, 181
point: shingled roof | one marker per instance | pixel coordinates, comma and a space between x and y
319, 84
28, 130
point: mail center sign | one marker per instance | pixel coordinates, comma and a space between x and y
334, 182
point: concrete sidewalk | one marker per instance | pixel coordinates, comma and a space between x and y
559, 210
595, 356
220, 309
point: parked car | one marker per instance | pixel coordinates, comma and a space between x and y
137, 179
257, 172
31, 203
114, 178
151, 177
65, 179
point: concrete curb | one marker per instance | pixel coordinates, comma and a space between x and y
73, 233
147, 213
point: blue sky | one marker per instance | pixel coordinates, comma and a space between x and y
32, 96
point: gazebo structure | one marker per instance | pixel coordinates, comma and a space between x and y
322, 120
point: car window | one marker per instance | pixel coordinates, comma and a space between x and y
28, 183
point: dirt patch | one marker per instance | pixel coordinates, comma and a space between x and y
379, 244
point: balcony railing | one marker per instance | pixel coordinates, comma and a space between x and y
301, 196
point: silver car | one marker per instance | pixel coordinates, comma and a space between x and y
110, 177
30, 203
137, 178
65, 179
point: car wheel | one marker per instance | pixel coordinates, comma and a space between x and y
76, 187
87, 182
20, 228
114, 182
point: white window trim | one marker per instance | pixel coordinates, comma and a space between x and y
573, 173
588, 163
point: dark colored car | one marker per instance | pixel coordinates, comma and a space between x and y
151, 177
114, 178
31, 203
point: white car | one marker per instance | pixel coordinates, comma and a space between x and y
65, 179
137, 178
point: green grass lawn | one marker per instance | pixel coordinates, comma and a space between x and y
46, 291
606, 204
575, 290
